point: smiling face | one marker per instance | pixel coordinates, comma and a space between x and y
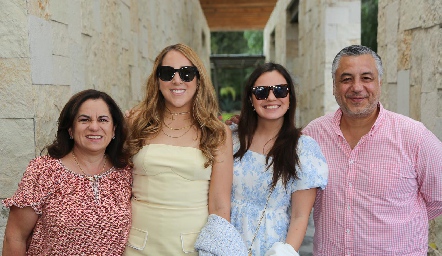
93, 127
271, 108
357, 87
178, 94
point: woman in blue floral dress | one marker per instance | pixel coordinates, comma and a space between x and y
277, 170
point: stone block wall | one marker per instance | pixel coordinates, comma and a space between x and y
410, 44
51, 49
307, 47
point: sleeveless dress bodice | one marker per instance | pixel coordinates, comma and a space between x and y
170, 200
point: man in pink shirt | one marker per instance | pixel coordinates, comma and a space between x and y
385, 169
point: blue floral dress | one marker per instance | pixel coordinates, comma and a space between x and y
250, 190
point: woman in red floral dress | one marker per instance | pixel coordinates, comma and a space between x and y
76, 199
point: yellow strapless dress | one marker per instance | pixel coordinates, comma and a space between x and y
170, 200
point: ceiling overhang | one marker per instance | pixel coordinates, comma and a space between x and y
237, 15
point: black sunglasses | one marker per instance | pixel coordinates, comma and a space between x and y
187, 73
262, 92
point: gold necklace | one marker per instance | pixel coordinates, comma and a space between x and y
177, 129
263, 148
94, 179
89, 177
176, 137
175, 114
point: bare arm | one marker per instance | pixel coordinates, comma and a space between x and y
20, 224
302, 204
221, 179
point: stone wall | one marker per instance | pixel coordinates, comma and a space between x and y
50, 49
410, 44
307, 47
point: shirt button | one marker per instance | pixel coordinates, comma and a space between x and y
348, 207
349, 184
351, 161
347, 231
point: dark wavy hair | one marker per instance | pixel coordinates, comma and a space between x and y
62, 144
284, 151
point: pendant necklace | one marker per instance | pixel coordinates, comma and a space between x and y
93, 179
263, 148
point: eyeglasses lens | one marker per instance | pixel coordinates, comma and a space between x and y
186, 73
262, 92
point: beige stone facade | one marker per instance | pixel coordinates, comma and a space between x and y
50, 49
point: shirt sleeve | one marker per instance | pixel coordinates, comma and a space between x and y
429, 171
34, 186
314, 170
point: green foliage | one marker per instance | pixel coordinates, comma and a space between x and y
231, 81
226, 91
255, 41
228, 43
227, 115
369, 23
245, 42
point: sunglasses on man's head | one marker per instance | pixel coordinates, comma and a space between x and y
262, 92
187, 73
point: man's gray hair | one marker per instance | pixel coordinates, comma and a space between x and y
357, 50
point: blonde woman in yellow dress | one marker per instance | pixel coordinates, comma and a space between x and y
182, 156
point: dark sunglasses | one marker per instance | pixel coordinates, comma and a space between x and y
262, 92
187, 73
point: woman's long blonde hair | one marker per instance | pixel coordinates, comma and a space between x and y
147, 120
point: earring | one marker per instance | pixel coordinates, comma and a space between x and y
113, 137
70, 137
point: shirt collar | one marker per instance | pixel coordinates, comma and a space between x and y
338, 114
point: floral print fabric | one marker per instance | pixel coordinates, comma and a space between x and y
251, 182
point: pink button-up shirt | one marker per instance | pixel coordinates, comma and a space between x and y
380, 194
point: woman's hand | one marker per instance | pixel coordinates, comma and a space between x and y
281, 249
